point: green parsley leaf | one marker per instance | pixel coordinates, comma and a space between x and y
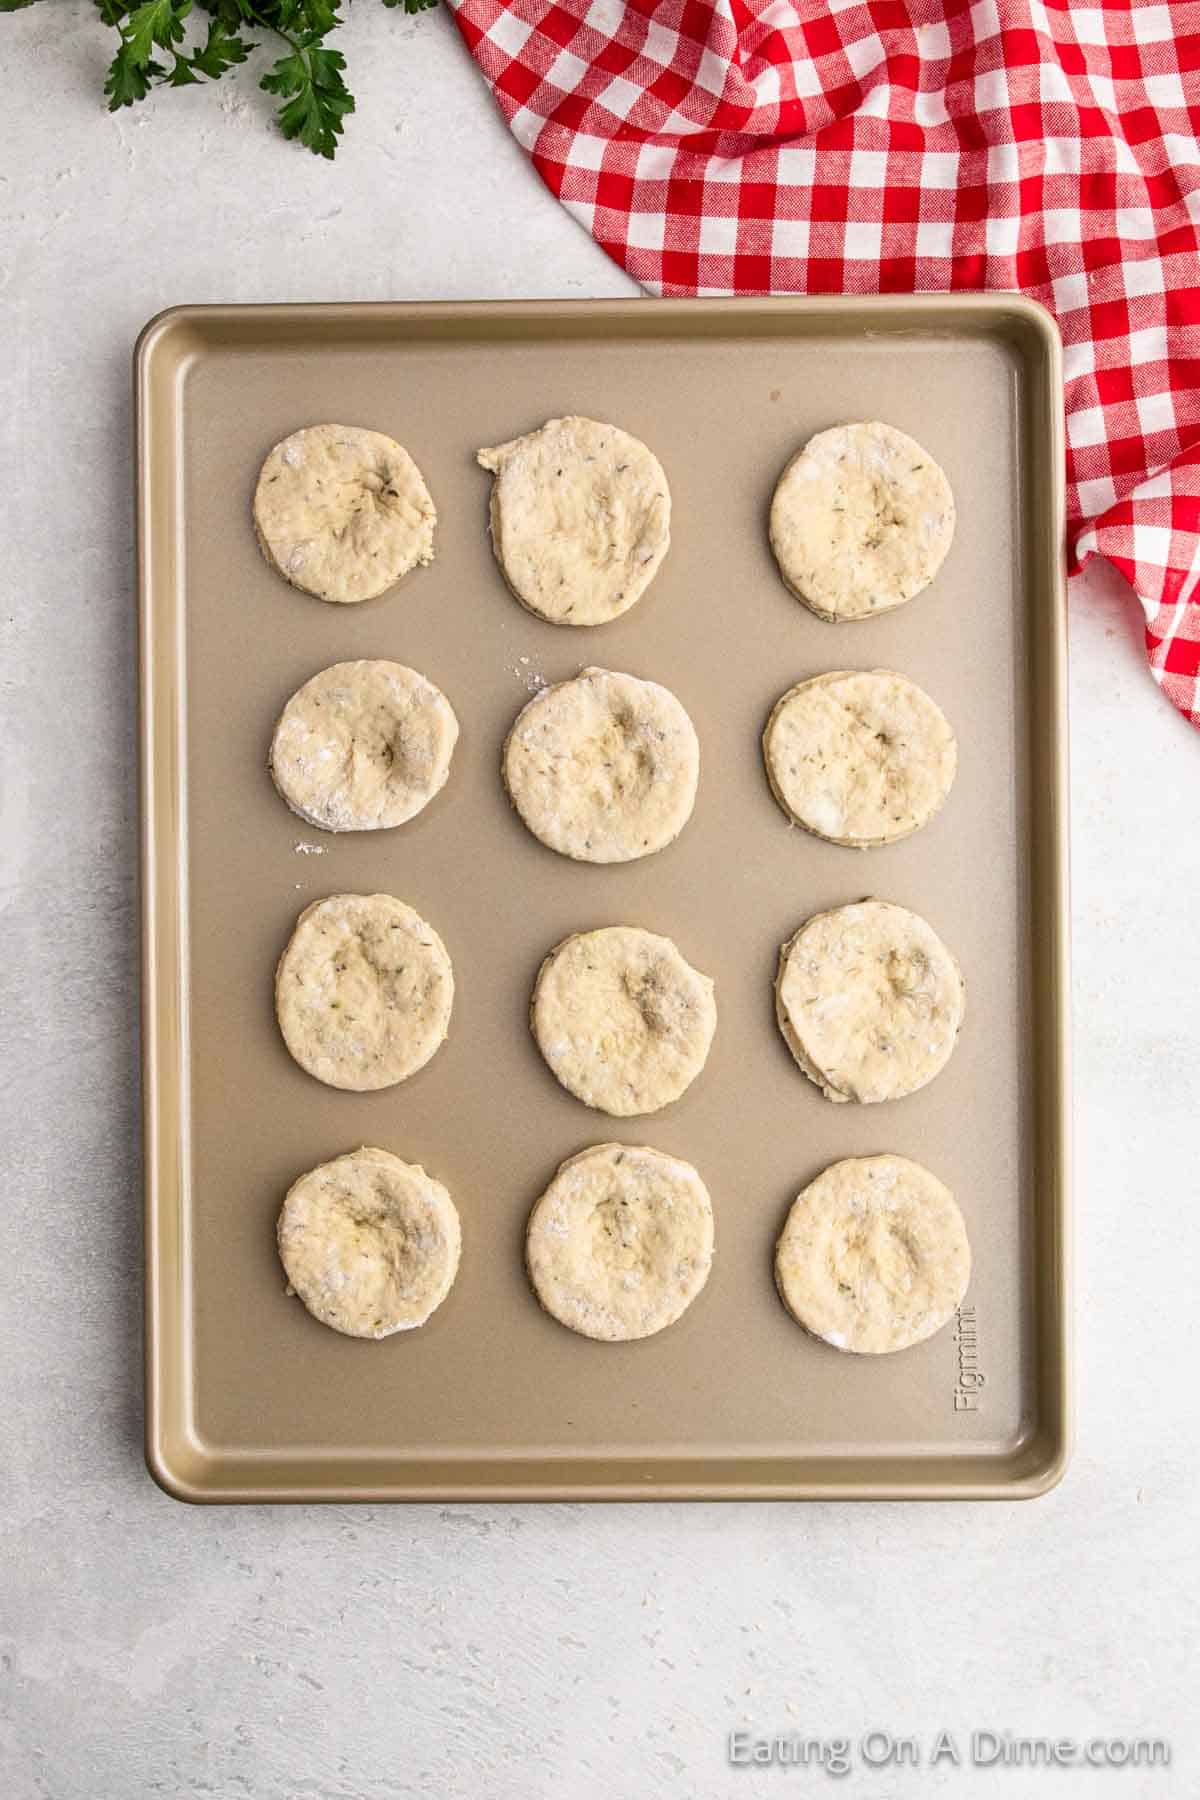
221, 50
317, 98
305, 17
182, 74
128, 79
231, 15
308, 77
154, 22
288, 76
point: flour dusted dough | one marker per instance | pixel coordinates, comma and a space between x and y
369, 1243
363, 745
603, 768
621, 1242
861, 521
869, 1001
363, 991
623, 1019
859, 756
343, 513
581, 518
874, 1255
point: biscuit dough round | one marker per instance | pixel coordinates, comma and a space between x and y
369, 1243
603, 768
861, 521
363, 746
363, 991
859, 756
621, 1242
623, 1019
581, 519
343, 513
874, 1255
869, 1000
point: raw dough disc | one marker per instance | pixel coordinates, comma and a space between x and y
603, 768
581, 519
874, 1255
621, 1242
369, 1243
343, 513
861, 521
622, 1018
362, 746
363, 991
869, 1001
859, 756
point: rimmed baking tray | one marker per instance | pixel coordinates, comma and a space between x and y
247, 1397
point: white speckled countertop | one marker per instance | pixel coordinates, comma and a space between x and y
147, 1648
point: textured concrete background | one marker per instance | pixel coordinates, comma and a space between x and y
147, 1648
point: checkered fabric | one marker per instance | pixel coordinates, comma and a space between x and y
867, 146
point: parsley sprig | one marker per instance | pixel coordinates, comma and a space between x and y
158, 46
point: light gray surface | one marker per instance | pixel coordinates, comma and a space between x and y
148, 1648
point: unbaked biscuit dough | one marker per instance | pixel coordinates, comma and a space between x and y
874, 1255
859, 756
369, 1243
343, 513
869, 1001
861, 521
363, 746
621, 1242
603, 768
363, 991
581, 519
623, 1019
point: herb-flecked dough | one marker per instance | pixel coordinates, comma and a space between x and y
603, 768
363, 991
874, 1255
363, 746
343, 513
861, 521
623, 1019
621, 1242
869, 1000
369, 1243
580, 519
861, 757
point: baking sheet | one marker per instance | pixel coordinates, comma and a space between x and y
248, 1398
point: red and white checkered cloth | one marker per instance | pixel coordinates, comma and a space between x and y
866, 146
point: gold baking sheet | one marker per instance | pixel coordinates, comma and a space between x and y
248, 1398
